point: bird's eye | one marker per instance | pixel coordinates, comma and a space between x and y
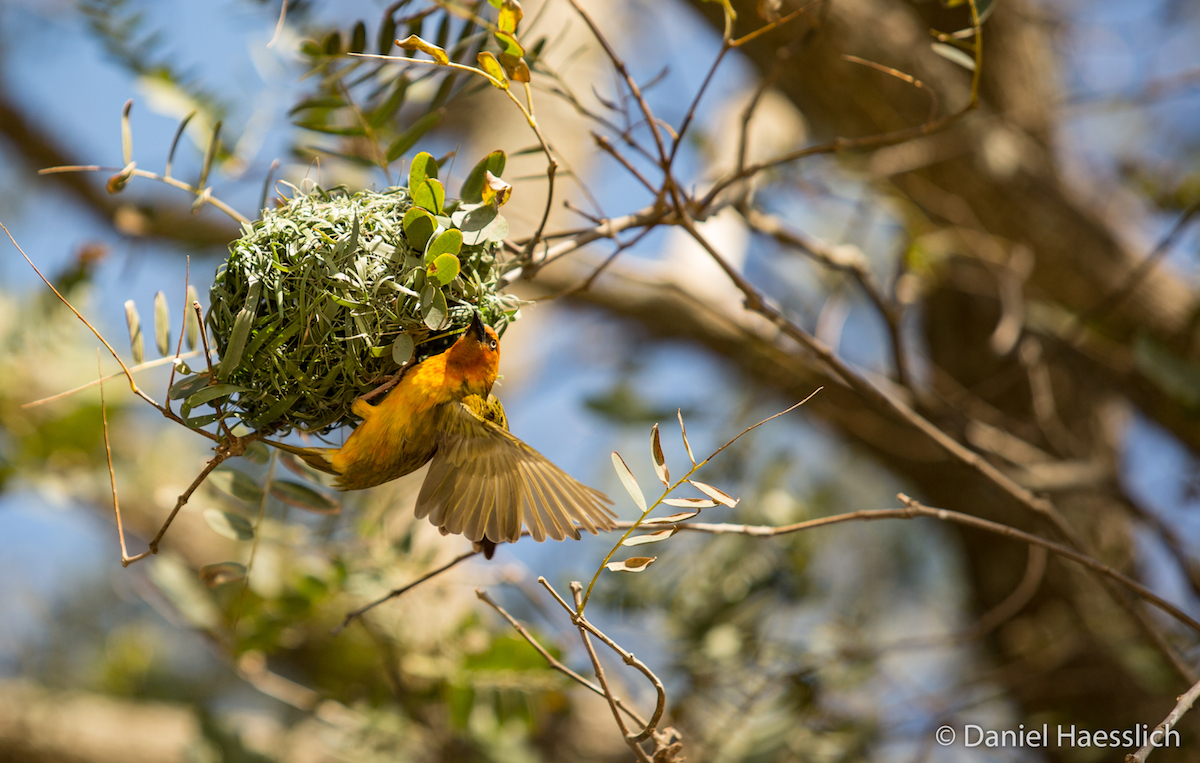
492, 344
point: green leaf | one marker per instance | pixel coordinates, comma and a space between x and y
137, 345
187, 387
483, 224
435, 313
162, 324
510, 44
321, 127
317, 102
229, 525
418, 227
237, 484
256, 452
402, 349
196, 422
430, 196
409, 137
191, 332
423, 167
304, 497
445, 268
472, 187
221, 573
358, 39
242, 324
449, 242
212, 393
237, 342
387, 34
394, 101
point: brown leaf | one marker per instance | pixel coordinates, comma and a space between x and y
632, 564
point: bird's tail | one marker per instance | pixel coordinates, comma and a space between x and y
317, 458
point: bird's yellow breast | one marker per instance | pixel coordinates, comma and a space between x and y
399, 435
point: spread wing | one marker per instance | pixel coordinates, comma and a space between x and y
484, 482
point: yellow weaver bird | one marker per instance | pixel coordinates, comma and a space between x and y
483, 482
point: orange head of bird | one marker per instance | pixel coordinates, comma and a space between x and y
476, 356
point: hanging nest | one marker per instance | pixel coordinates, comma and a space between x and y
326, 297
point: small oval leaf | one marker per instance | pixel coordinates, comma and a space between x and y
256, 452
237, 484
423, 167
162, 324
187, 387
491, 67
449, 242
191, 324
136, 344
654, 537
632, 564
631, 485
954, 55
418, 226
221, 573
715, 494
683, 431
690, 503
229, 525
660, 460
402, 349
304, 497
671, 519
430, 196
434, 314
510, 15
445, 268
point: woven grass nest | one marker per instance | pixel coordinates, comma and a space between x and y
325, 297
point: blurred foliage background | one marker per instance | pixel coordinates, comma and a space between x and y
1014, 257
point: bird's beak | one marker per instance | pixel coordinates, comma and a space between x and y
475, 330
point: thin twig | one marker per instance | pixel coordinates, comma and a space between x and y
1163, 730
403, 589
96, 382
128, 375
208, 197
619, 65
933, 100
223, 453
579, 619
551, 660
112, 475
915, 509
598, 669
